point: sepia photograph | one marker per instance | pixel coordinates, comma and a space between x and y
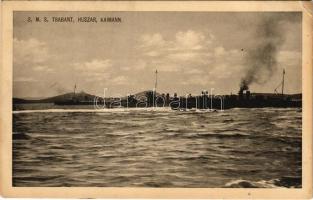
157, 99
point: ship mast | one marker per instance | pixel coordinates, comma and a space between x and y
156, 79
155, 86
283, 82
74, 89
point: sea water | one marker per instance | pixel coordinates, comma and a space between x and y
156, 147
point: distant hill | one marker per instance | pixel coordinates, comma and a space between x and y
20, 100
82, 96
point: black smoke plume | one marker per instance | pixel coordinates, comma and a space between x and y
261, 61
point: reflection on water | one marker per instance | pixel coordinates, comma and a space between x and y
157, 148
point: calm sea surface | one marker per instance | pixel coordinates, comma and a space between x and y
157, 148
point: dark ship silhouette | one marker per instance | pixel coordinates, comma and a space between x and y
151, 98
244, 99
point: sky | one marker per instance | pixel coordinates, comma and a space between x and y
192, 51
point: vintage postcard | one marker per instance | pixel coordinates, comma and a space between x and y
156, 99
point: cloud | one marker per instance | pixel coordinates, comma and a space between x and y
183, 42
95, 70
195, 56
197, 80
168, 67
31, 58
31, 51
120, 80
152, 53
135, 65
25, 79
194, 71
94, 65
290, 57
219, 51
154, 40
193, 53
183, 56
225, 63
221, 71
172, 55
189, 40
42, 68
